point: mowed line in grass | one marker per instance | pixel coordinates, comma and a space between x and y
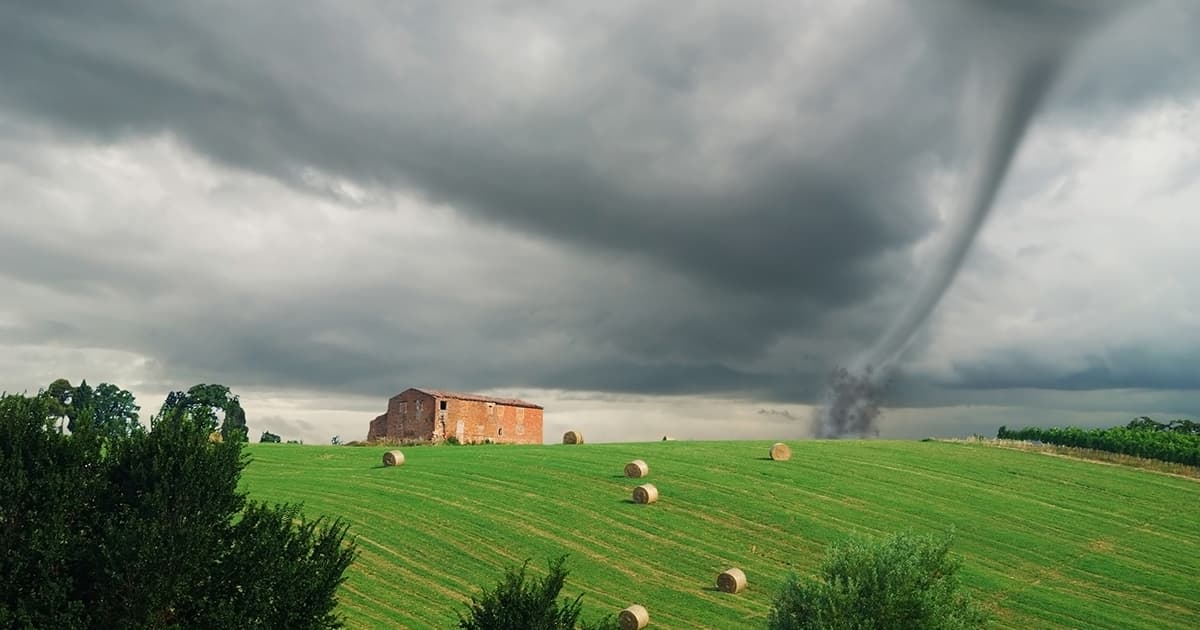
565, 539
1028, 526
573, 537
420, 486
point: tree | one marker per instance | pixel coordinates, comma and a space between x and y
278, 550
148, 530
1144, 423
45, 478
901, 582
114, 411
336, 440
212, 405
268, 438
59, 394
81, 402
519, 603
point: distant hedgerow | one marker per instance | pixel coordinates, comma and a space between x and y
1177, 441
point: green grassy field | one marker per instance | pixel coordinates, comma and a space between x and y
1046, 542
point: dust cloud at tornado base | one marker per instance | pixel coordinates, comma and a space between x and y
1014, 66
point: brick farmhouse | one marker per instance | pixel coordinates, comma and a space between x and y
433, 415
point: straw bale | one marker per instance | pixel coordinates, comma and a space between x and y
731, 581
636, 468
645, 493
633, 618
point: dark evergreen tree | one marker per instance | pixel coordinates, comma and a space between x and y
147, 529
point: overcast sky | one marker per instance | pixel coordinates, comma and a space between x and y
650, 217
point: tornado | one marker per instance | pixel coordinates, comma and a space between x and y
1022, 46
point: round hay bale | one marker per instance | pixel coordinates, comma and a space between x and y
393, 458
645, 493
780, 452
572, 437
731, 581
636, 468
633, 618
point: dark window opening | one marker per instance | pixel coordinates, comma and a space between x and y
499, 430
443, 405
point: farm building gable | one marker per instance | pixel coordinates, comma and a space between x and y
435, 415
441, 393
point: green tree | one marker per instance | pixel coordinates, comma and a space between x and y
900, 582
59, 394
1144, 423
149, 530
520, 603
47, 480
81, 403
269, 438
114, 411
277, 549
213, 406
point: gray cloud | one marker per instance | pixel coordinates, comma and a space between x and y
623, 160
642, 198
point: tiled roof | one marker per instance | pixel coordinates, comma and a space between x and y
511, 402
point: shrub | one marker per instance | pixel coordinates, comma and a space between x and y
903, 581
520, 603
269, 438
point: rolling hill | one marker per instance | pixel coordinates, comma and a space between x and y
1046, 542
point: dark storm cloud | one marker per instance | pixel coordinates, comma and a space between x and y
1112, 368
794, 215
743, 172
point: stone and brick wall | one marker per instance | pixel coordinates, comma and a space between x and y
417, 415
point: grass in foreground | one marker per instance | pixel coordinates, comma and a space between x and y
1046, 542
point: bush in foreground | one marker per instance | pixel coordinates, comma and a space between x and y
521, 603
900, 582
148, 530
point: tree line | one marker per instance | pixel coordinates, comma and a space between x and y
112, 412
1177, 441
